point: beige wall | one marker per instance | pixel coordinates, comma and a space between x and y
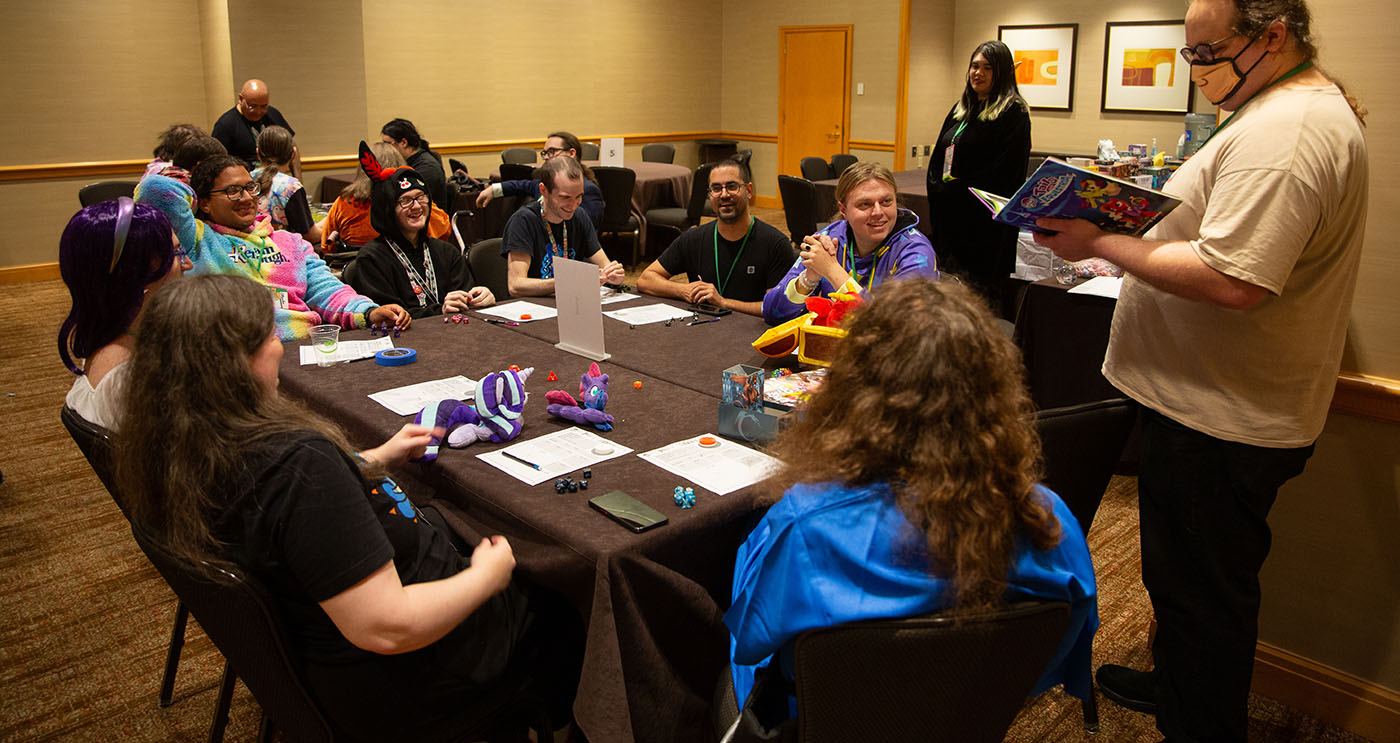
316, 81
933, 83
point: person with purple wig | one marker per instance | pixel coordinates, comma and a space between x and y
111, 255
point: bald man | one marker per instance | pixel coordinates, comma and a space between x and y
239, 127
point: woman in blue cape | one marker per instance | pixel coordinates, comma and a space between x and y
909, 485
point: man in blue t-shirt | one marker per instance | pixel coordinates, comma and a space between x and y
552, 227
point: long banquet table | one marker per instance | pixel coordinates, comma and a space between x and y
652, 602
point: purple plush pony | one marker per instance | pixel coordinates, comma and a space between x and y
593, 389
493, 415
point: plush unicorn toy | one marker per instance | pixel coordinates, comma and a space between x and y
493, 415
593, 390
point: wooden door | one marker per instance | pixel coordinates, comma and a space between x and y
814, 93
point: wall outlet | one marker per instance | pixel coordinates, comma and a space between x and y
860, 88
914, 151
928, 150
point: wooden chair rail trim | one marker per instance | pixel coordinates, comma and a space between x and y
134, 168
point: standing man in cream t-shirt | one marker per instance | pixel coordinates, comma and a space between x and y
1229, 331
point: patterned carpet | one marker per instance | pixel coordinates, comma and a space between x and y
85, 620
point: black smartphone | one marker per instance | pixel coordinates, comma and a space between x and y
710, 309
628, 511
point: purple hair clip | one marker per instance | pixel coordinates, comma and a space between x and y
125, 208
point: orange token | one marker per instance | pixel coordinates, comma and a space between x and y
526, 317
637, 385
514, 368
708, 441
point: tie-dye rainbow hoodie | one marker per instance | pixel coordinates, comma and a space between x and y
281, 261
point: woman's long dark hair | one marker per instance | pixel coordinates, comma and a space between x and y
1004, 92
194, 406
107, 298
928, 395
404, 129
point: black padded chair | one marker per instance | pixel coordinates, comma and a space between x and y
517, 172
241, 618
744, 156
522, 155
1082, 446
659, 152
591, 151
799, 206
840, 162
816, 169
489, 268
927, 678
679, 219
96, 193
95, 442
617, 185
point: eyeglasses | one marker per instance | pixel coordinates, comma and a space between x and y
1203, 53
236, 191
549, 152
717, 189
407, 201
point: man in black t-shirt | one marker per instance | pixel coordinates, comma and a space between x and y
732, 261
238, 128
549, 228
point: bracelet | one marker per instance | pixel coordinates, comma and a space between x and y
802, 285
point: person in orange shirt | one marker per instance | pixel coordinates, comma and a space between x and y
347, 227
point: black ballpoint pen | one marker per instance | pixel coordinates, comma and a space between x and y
697, 322
495, 321
518, 459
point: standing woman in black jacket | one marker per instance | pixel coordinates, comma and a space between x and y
985, 142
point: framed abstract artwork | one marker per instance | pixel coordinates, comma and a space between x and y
1142, 69
1044, 57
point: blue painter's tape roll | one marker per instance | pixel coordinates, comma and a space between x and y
396, 357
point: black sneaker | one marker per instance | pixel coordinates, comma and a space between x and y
1136, 690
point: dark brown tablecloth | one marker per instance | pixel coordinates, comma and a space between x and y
1063, 338
913, 195
653, 602
689, 356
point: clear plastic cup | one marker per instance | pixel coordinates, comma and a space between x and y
1063, 270
325, 339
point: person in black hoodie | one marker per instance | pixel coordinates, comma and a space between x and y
985, 142
404, 265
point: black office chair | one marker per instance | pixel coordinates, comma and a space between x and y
517, 172
522, 155
679, 219
840, 162
489, 267
816, 169
1082, 446
96, 444
659, 152
617, 185
799, 206
744, 156
96, 193
926, 678
591, 151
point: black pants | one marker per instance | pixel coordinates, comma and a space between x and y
1203, 505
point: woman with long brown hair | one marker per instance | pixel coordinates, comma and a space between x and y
908, 485
221, 469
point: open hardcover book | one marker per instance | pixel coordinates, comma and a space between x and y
1058, 189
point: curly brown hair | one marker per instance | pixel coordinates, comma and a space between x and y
927, 393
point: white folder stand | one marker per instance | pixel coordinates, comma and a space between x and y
610, 152
580, 309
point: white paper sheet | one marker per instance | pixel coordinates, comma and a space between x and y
513, 311
412, 398
559, 453
608, 295
346, 350
1100, 286
721, 470
649, 313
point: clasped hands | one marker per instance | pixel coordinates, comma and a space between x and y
818, 253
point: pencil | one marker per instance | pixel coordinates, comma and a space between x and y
522, 461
